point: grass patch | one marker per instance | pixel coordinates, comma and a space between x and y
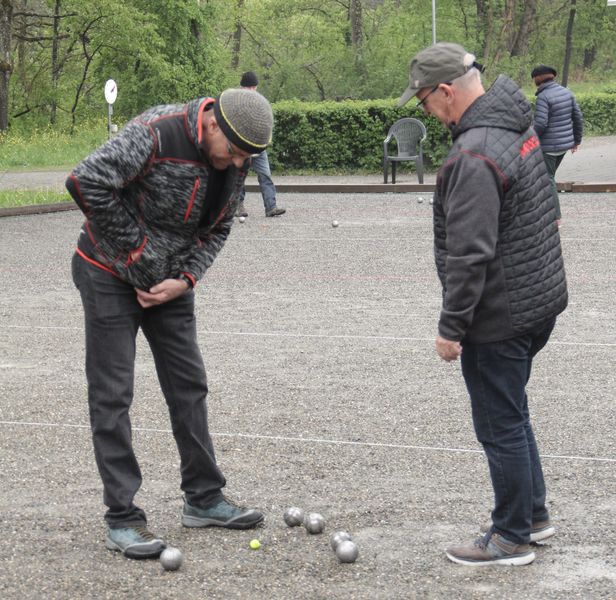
49, 148
15, 198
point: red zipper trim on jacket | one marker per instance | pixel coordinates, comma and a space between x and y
95, 263
192, 198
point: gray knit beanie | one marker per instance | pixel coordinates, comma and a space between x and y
246, 119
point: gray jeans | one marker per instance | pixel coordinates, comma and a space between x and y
112, 319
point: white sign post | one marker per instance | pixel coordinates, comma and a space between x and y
111, 93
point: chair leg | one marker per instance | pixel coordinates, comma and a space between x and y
385, 169
420, 171
393, 172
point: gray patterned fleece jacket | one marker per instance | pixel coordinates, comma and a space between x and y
150, 187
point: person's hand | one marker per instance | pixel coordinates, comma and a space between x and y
574, 149
162, 292
447, 349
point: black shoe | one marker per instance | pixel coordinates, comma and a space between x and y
275, 212
223, 514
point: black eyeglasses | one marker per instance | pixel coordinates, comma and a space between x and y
421, 102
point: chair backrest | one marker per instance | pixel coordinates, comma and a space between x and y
408, 132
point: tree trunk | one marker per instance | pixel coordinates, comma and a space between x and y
525, 30
55, 68
568, 44
357, 25
6, 25
237, 36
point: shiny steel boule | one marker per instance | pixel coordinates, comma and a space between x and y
347, 551
335, 223
171, 559
293, 516
338, 537
314, 523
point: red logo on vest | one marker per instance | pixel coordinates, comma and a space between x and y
529, 145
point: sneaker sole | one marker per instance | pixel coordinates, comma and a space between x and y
133, 552
192, 521
515, 561
542, 534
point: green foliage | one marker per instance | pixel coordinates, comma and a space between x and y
50, 147
343, 136
599, 110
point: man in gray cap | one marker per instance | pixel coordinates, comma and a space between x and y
159, 200
499, 260
558, 122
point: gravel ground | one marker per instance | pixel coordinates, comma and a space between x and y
325, 394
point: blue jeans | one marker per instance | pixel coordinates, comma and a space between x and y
112, 319
260, 165
496, 375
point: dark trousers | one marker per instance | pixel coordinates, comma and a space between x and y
112, 319
552, 162
496, 375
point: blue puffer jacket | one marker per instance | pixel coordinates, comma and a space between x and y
558, 118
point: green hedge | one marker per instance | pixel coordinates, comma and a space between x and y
348, 136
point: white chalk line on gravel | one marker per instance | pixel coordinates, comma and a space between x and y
304, 440
312, 335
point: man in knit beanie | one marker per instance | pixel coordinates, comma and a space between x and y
260, 164
159, 201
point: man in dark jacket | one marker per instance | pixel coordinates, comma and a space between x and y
558, 122
498, 257
159, 201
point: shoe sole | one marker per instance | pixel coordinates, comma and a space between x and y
542, 534
539, 535
515, 561
192, 521
134, 553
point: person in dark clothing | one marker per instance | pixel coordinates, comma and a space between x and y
260, 165
159, 200
558, 122
499, 260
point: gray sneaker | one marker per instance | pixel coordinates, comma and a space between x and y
134, 542
240, 211
275, 212
539, 530
224, 514
491, 549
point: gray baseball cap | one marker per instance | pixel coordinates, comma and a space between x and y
436, 64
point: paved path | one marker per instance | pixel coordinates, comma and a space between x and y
594, 162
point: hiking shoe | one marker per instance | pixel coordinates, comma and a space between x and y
491, 549
275, 212
224, 514
539, 530
240, 211
134, 542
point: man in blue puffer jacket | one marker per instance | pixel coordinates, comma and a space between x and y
558, 122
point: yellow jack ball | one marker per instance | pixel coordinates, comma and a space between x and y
255, 544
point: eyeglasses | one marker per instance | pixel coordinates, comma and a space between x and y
420, 104
236, 154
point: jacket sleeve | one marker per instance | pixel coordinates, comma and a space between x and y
208, 247
211, 241
542, 114
471, 203
578, 123
96, 184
